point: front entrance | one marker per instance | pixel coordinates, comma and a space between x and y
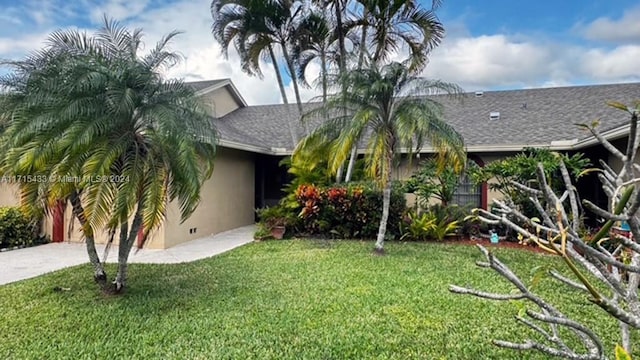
270, 180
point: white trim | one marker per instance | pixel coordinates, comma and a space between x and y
245, 147
612, 134
252, 148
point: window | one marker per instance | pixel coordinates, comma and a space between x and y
467, 193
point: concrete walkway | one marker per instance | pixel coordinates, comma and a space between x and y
30, 262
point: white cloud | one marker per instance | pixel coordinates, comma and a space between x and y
623, 30
203, 57
498, 61
17, 47
618, 64
489, 60
475, 62
118, 9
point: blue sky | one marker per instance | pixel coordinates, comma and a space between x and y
491, 44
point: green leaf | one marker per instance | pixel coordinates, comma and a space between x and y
621, 353
588, 171
618, 105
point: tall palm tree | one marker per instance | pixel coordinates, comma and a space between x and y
242, 23
314, 40
94, 122
256, 28
390, 25
382, 103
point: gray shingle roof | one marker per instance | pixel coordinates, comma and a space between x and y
531, 117
201, 85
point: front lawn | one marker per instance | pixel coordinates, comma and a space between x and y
281, 300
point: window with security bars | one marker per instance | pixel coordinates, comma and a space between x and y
467, 193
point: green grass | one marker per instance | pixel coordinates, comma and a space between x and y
283, 300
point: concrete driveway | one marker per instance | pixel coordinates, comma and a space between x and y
30, 262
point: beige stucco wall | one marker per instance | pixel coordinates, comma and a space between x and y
9, 195
227, 200
487, 159
73, 232
220, 102
615, 162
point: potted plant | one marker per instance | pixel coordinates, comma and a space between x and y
275, 219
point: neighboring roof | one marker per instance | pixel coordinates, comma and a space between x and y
206, 86
543, 117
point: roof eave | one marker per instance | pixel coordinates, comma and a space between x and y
252, 148
613, 134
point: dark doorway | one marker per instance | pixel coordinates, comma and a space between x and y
270, 179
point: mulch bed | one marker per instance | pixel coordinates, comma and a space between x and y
502, 244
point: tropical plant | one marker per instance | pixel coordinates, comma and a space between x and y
417, 226
522, 168
436, 223
609, 277
275, 216
339, 8
383, 103
17, 229
430, 182
92, 121
346, 212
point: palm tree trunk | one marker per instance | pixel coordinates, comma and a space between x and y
323, 65
363, 40
99, 275
342, 57
352, 162
124, 249
340, 33
386, 199
363, 49
274, 61
386, 202
294, 80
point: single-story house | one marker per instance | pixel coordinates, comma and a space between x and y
253, 140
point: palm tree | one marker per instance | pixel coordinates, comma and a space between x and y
257, 28
392, 23
95, 123
382, 103
242, 23
314, 40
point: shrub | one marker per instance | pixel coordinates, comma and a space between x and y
351, 211
417, 226
434, 224
16, 229
521, 168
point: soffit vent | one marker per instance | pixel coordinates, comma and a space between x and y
494, 115
479, 93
